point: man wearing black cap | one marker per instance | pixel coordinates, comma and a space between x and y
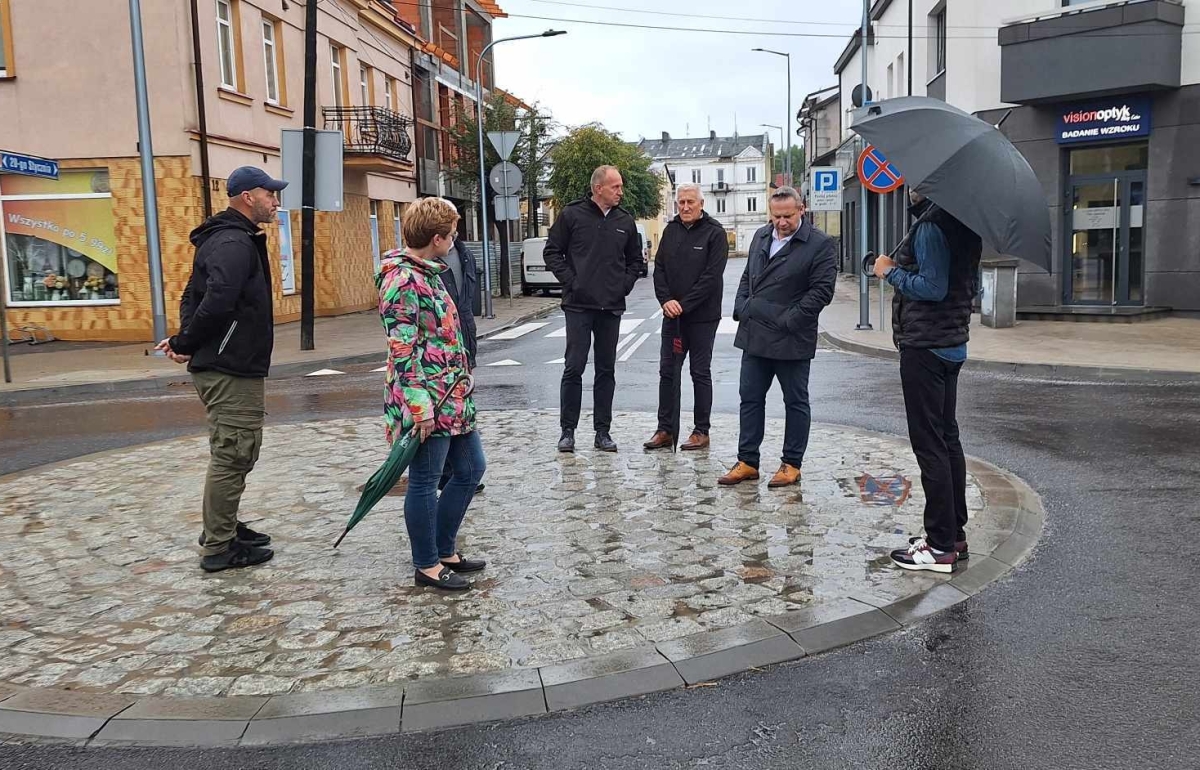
226, 334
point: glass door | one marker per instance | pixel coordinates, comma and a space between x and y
1105, 255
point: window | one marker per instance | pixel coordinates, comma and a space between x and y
389, 86
375, 234
227, 43
6, 54
339, 90
939, 36
720, 205
891, 80
397, 222
751, 174
695, 176
271, 60
752, 204
76, 260
901, 83
720, 176
287, 256
366, 85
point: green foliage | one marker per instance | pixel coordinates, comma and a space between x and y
579, 153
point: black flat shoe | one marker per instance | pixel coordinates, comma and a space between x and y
605, 443
238, 556
465, 565
567, 442
446, 580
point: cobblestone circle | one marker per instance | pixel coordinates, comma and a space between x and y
100, 588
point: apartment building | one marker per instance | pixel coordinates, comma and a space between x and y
391, 76
733, 173
1100, 97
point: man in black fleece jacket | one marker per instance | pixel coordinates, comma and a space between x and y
688, 281
226, 335
595, 253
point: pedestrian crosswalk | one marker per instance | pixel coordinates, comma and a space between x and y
650, 325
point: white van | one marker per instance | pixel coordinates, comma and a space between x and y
645, 269
535, 276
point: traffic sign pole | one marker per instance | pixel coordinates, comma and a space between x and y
864, 286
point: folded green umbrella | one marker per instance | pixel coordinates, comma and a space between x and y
401, 456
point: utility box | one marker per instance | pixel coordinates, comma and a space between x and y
998, 307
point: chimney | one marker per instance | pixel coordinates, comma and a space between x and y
712, 136
666, 137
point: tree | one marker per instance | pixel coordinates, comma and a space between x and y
797, 161
579, 153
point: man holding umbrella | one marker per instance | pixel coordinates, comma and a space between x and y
688, 273
935, 279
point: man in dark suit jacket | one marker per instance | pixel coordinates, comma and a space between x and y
789, 279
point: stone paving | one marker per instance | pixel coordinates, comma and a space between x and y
100, 589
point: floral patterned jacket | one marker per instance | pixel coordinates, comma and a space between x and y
426, 351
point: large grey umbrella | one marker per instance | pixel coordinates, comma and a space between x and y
966, 167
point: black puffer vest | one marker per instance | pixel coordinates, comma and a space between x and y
945, 324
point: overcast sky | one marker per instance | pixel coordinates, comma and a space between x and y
641, 82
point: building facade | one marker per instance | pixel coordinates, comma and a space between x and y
1100, 97
74, 249
733, 173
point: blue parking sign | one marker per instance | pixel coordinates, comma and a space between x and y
826, 189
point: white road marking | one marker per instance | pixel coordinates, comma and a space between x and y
627, 326
519, 331
633, 348
323, 373
557, 361
657, 315
380, 369
506, 362
728, 326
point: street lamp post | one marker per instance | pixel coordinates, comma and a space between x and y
781, 136
487, 257
787, 161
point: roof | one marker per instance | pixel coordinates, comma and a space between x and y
704, 147
851, 49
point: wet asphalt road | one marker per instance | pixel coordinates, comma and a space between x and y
1085, 658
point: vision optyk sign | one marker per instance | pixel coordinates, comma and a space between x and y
1113, 118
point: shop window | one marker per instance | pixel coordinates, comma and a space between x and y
1110, 159
59, 246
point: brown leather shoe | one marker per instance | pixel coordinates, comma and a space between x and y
786, 476
737, 474
694, 442
660, 440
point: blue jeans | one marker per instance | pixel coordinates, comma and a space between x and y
433, 520
757, 376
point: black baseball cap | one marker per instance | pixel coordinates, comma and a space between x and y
247, 178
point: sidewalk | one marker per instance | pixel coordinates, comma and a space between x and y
1166, 349
58, 368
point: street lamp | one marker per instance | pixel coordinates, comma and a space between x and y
781, 138
487, 263
787, 161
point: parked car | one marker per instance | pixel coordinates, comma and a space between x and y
535, 276
645, 251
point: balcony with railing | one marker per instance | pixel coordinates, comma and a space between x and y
376, 138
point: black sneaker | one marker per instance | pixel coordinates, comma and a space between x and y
920, 556
605, 443
960, 547
447, 580
567, 442
246, 535
239, 555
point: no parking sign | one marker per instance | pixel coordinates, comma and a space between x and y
876, 174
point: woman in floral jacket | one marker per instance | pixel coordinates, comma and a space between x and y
426, 357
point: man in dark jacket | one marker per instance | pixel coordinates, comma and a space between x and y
935, 279
595, 253
688, 281
789, 279
226, 335
462, 283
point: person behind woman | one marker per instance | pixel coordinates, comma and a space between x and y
427, 357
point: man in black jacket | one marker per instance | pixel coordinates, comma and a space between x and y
226, 335
935, 276
462, 282
688, 281
595, 253
789, 279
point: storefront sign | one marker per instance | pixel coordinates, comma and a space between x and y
1116, 118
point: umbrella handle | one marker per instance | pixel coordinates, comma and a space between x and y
470, 388
868, 261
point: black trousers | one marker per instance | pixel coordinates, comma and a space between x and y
757, 375
930, 400
697, 340
582, 327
